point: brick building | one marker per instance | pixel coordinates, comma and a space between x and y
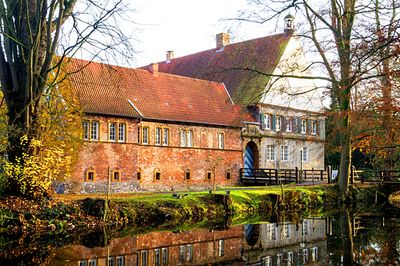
144, 129
261, 74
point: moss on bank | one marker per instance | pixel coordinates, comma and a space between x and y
167, 210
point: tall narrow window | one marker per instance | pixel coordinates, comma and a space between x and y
221, 141
145, 135
186, 138
278, 123
165, 256
221, 248
121, 132
304, 154
94, 130
313, 127
285, 153
268, 121
158, 136
270, 153
286, 230
303, 126
165, 141
183, 138
144, 258
157, 257
112, 131
120, 261
85, 125
190, 138
289, 124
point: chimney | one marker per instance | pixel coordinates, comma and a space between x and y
289, 24
222, 39
169, 56
154, 69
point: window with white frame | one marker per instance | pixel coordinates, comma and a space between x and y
284, 153
221, 141
186, 137
314, 254
116, 131
304, 154
112, 131
144, 258
278, 123
286, 230
305, 256
305, 226
289, 126
145, 135
313, 127
221, 248
94, 131
86, 127
267, 261
120, 261
121, 132
165, 256
289, 260
270, 153
267, 121
303, 126
165, 140
279, 259
189, 135
157, 137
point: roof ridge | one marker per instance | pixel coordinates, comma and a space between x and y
216, 49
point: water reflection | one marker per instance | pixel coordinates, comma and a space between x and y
345, 239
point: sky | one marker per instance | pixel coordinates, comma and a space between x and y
186, 26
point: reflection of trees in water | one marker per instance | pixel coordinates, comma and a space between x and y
375, 241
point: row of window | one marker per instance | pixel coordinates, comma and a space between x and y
112, 261
117, 133
162, 137
90, 175
271, 153
288, 124
289, 260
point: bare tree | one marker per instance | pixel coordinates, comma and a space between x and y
30, 52
340, 31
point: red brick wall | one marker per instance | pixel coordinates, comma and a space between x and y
103, 155
171, 161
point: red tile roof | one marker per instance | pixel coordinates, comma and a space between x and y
237, 65
112, 90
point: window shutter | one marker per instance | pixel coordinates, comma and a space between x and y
262, 120
273, 122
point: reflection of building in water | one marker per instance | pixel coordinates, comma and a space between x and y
286, 244
195, 247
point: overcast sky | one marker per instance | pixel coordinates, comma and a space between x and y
186, 26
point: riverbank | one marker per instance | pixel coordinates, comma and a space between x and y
64, 213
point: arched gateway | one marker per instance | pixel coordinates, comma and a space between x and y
251, 159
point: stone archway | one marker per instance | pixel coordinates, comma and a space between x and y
251, 155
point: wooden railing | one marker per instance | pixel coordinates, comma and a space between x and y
270, 176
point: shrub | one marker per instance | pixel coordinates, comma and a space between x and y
31, 174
